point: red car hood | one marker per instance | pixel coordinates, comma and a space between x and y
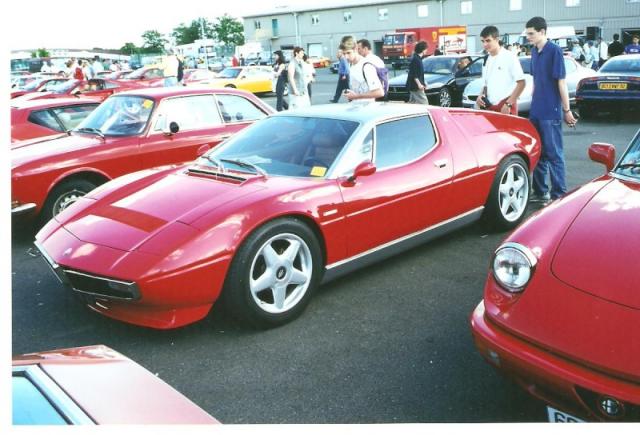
131, 215
42, 148
600, 250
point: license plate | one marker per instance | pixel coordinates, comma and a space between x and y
556, 416
612, 86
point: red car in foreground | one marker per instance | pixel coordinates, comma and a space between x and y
296, 198
94, 385
37, 118
561, 305
128, 132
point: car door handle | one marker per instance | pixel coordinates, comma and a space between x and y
441, 163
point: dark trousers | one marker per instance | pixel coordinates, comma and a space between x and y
281, 103
340, 87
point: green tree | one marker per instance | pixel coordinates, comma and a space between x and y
184, 34
40, 52
129, 48
154, 42
229, 31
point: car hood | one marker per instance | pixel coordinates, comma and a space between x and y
131, 214
433, 80
27, 151
23, 143
599, 252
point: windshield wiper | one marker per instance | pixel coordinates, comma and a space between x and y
215, 161
246, 164
629, 165
96, 131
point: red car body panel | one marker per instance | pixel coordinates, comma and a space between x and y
110, 87
112, 389
151, 78
39, 167
574, 326
122, 230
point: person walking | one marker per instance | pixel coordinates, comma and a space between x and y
170, 65
549, 105
364, 50
415, 78
298, 96
309, 74
343, 77
634, 47
603, 52
615, 48
364, 84
502, 75
576, 51
280, 73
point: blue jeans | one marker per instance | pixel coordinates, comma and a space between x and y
551, 158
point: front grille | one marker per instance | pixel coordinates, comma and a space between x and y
592, 399
101, 286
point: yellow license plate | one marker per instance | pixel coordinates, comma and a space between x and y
612, 86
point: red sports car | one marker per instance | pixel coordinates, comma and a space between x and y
145, 76
128, 132
38, 118
561, 305
297, 197
94, 385
95, 88
41, 84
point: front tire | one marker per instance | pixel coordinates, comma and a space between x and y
507, 202
274, 274
62, 196
444, 97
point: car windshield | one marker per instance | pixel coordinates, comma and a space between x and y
284, 145
119, 115
61, 88
630, 163
439, 65
622, 66
31, 86
229, 73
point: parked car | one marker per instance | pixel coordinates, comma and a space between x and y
444, 78
616, 86
197, 76
575, 73
319, 61
148, 76
41, 84
36, 118
255, 79
94, 385
296, 198
114, 75
128, 132
561, 305
95, 88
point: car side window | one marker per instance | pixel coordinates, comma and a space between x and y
402, 141
238, 109
71, 116
190, 113
476, 67
109, 85
44, 118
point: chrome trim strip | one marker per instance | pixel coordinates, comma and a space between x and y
60, 400
24, 208
55, 267
388, 249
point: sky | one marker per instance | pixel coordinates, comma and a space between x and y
78, 24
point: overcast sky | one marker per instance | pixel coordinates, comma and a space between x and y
111, 23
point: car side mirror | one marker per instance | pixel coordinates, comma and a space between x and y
363, 169
172, 129
603, 153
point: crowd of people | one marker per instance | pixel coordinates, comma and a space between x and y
593, 54
85, 69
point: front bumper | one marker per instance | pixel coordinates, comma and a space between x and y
23, 209
557, 381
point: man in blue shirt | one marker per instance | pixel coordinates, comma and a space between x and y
343, 76
634, 47
549, 106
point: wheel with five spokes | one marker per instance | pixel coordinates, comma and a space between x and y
507, 202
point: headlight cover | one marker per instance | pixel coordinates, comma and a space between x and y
513, 266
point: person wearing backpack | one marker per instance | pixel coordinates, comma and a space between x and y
415, 78
364, 50
364, 83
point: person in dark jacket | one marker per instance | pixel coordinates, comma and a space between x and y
280, 72
615, 48
415, 79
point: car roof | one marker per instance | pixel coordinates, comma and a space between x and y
52, 102
173, 91
359, 112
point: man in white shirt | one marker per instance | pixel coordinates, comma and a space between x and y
365, 86
46, 67
502, 75
364, 50
603, 51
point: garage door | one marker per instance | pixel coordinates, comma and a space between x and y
314, 50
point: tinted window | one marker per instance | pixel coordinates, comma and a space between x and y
190, 113
71, 116
622, 65
439, 65
402, 141
234, 109
45, 119
476, 67
30, 406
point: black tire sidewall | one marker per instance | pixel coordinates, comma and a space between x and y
492, 214
82, 185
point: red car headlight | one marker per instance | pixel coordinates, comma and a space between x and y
513, 266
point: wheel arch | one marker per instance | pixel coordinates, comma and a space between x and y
92, 175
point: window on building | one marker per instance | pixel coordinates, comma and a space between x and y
466, 7
383, 14
571, 3
515, 5
347, 17
274, 27
423, 11
257, 25
315, 19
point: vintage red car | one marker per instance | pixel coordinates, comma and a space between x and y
193, 77
128, 132
145, 76
40, 84
296, 198
37, 118
94, 385
561, 305
95, 88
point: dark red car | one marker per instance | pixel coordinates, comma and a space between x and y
298, 197
37, 118
95, 88
128, 132
41, 84
561, 305
146, 76
94, 385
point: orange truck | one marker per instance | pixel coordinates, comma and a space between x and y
397, 47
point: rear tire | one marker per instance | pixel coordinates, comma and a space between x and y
509, 195
62, 196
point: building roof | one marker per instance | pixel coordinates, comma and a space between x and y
316, 5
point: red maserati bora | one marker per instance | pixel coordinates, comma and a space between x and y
296, 198
561, 305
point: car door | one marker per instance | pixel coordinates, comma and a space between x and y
466, 76
409, 190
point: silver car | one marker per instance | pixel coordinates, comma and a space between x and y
575, 73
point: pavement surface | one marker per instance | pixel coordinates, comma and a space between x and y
387, 344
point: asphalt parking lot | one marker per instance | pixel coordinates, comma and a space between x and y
387, 344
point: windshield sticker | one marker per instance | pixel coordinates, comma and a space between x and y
318, 171
147, 104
